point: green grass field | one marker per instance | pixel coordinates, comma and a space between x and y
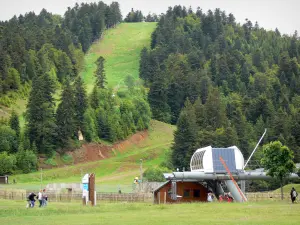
268, 213
112, 172
121, 48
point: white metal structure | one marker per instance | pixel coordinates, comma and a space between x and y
203, 159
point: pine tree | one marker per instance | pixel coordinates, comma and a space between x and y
144, 65
40, 114
65, 116
185, 137
15, 123
80, 102
100, 73
94, 98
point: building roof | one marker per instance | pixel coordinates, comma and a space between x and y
161, 186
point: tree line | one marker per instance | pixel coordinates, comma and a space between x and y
222, 82
38, 55
135, 16
32, 45
103, 114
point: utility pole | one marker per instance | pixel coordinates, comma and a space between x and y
141, 169
41, 177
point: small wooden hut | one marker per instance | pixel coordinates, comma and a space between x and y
185, 192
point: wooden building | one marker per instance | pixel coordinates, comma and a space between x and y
185, 191
4, 179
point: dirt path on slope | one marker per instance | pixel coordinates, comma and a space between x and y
95, 152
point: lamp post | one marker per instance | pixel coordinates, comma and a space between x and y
141, 169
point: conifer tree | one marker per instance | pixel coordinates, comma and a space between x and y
100, 73
65, 115
94, 98
40, 114
80, 102
185, 137
14, 123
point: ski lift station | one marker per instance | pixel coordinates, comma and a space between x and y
208, 160
212, 170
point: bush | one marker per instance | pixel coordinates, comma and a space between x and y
68, 159
7, 163
155, 174
26, 161
8, 140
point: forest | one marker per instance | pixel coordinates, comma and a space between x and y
222, 82
40, 58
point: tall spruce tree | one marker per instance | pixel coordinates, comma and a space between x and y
40, 114
15, 123
80, 102
100, 73
65, 116
185, 137
94, 98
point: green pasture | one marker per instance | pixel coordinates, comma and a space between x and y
121, 48
263, 213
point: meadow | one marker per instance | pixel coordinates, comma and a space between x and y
14, 212
121, 48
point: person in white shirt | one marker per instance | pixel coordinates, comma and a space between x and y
209, 197
40, 198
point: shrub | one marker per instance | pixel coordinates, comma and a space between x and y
155, 174
26, 161
7, 163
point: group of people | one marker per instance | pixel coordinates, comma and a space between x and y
227, 197
41, 197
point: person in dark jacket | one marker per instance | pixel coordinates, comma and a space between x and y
31, 200
294, 195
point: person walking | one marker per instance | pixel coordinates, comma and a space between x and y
294, 195
45, 198
40, 198
31, 200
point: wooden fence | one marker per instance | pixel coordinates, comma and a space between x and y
125, 197
263, 196
60, 197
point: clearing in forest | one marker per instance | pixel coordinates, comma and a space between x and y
121, 48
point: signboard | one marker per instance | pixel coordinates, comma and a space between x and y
85, 179
85, 187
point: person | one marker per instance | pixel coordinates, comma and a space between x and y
294, 195
221, 198
30, 200
209, 197
229, 197
40, 198
45, 198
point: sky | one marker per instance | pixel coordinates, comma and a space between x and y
270, 14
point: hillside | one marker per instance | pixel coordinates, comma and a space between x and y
121, 48
224, 81
119, 163
114, 171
